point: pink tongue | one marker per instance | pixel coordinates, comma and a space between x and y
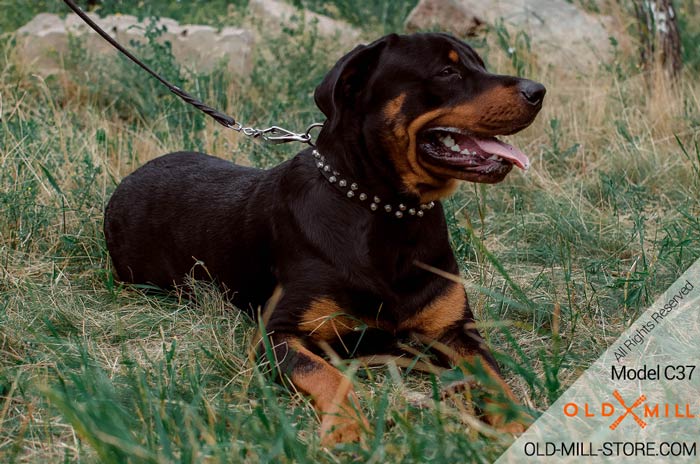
509, 152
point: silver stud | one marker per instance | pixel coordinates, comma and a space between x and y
332, 179
412, 211
351, 194
343, 182
423, 206
377, 200
336, 173
398, 214
387, 208
363, 196
431, 204
353, 186
319, 164
419, 214
316, 154
402, 207
326, 168
373, 207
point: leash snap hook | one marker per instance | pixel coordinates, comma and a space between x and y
276, 135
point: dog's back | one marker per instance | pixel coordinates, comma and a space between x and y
169, 219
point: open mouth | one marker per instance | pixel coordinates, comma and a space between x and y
478, 159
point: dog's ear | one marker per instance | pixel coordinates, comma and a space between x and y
348, 77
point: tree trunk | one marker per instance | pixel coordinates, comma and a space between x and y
659, 37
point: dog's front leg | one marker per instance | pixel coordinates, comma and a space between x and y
331, 392
448, 325
464, 347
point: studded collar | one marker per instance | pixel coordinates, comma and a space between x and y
374, 203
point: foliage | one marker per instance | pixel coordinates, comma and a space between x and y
558, 262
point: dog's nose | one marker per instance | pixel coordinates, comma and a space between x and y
532, 91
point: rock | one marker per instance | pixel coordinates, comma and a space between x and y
43, 42
561, 34
274, 14
443, 15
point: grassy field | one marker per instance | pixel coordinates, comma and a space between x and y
557, 262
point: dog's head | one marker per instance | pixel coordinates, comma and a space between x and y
426, 105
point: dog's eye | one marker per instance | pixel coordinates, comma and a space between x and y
449, 71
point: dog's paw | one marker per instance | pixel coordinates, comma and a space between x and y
494, 419
337, 429
457, 387
513, 428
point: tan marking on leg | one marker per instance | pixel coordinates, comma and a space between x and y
325, 320
493, 416
499, 386
333, 397
441, 313
453, 56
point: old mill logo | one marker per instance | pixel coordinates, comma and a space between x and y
638, 410
628, 410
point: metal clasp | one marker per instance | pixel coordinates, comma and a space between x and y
277, 135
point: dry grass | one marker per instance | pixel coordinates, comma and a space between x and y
559, 262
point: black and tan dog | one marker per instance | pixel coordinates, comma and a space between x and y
340, 229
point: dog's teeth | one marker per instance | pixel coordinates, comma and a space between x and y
448, 141
455, 148
465, 152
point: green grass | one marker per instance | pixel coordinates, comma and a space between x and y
558, 261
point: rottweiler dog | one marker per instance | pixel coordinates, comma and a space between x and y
339, 232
